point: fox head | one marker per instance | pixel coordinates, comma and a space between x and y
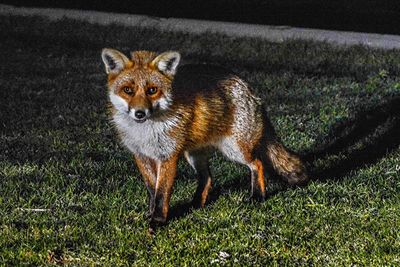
140, 86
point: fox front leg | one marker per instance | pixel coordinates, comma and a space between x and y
148, 169
165, 181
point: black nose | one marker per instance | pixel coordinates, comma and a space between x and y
140, 114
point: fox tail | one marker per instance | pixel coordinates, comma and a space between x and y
286, 164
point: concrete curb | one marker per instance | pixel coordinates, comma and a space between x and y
270, 33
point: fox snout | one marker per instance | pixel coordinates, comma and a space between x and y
140, 107
140, 114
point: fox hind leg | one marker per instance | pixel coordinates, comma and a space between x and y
258, 191
199, 162
245, 152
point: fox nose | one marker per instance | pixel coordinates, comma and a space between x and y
140, 114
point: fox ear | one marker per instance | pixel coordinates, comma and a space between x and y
114, 60
167, 62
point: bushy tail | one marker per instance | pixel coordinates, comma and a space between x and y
288, 165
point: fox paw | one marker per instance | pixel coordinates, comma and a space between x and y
156, 222
256, 198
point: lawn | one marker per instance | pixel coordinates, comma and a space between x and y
71, 194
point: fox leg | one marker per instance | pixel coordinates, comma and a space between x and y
163, 190
257, 180
148, 169
199, 162
246, 153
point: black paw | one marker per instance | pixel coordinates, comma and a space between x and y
156, 222
256, 198
196, 203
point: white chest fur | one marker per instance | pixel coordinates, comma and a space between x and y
150, 138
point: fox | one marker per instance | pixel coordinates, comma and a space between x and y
163, 110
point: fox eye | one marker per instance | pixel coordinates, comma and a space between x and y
151, 90
128, 90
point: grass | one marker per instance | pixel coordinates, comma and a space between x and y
70, 193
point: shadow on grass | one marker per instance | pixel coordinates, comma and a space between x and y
359, 141
240, 183
184, 207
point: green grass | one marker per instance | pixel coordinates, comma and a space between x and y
337, 106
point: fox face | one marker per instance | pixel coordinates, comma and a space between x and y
141, 86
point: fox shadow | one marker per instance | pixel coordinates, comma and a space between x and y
358, 141
355, 142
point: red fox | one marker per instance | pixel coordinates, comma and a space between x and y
162, 112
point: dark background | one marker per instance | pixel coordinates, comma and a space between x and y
379, 16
